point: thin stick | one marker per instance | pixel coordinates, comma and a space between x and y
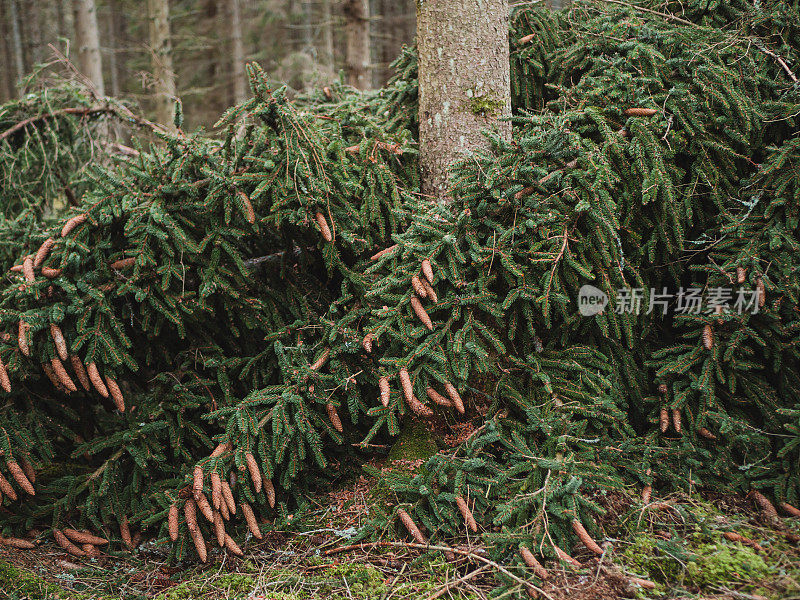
451, 584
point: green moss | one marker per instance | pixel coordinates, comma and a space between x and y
414, 443
24, 584
233, 585
363, 581
721, 564
487, 105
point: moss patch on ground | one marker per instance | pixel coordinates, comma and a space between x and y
20, 583
323, 580
685, 549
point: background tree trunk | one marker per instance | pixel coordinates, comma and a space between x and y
464, 82
16, 39
7, 88
112, 44
87, 40
356, 13
32, 37
237, 53
327, 53
161, 57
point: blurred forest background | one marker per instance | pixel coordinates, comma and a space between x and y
149, 51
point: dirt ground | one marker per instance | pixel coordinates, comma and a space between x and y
676, 544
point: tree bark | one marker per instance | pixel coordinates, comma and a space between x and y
327, 36
464, 82
87, 39
16, 38
7, 91
112, 44
32, 16
161, 58
356, 14
237, 53
61, 20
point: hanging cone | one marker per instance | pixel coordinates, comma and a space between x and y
640, 112
72, 223
676, 419
247, 206
323, 227
125, 530
469, 519
366, 343
430, 291
418, 287
84, 537
789, 509
427, 270
454, 396
219, 529
705, 433
269, 490
411, 527
383, 384
216, 490
205, 507
383, 252
708, 337
80, 372
59, 341
172, 522
5, 381
584, 536
227, 496
27, 269
199, 543
764, 504
42, 252
334, 417
255, 472
419, 310
740, 275
116, 394
64, 543
405, 382
252, 522
437, 397
321, 360
23, 338
197, 481
19, 476
232, 546
97, 380
61, 374
123, 263
530, 560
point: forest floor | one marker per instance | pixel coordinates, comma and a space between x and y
680, 546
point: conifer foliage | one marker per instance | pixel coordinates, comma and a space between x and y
188, 348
